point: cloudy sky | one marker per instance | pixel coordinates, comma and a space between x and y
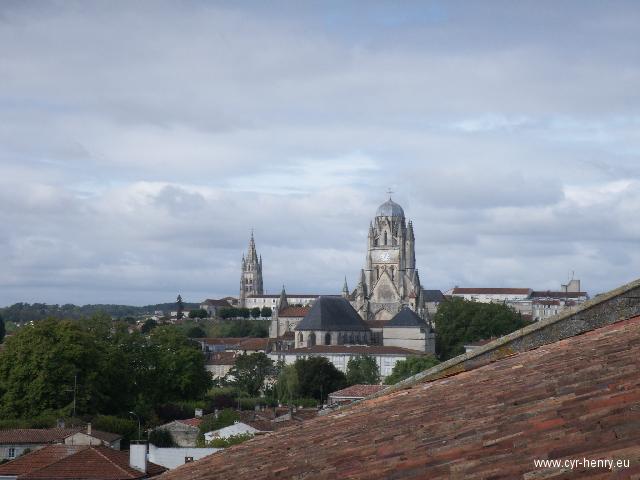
141, 141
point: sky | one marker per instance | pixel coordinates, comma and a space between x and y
140, 142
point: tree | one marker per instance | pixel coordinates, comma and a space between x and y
250, 371
244, 312
196, 332
266, 312
180, 306
42, 364
3, 330
162, 438
178, 367
228, 312
318, 377
459, 321
148, 325
255, 312
363, 370
409, 367
287, 386
198, 313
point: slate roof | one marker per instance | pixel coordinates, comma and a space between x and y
216, 303
406, 318
573, 399
435, 296
491, 291
78, 463
549, 294
332, 314
49, 435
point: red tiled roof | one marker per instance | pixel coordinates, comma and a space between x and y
358, 391
289, 295
75, 462
355, 349
221, 358
253, 344
192, 422
293, 312
49, 435
491, 291
573, 399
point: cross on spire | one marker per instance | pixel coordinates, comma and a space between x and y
389, 191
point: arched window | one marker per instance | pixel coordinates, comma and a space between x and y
375, 242
300, 338
385, 237
311, 340
327, 338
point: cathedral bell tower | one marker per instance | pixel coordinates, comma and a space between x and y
389, 280
251, 276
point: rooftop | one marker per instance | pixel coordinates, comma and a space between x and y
293, 312
332, 314
406, 318
358, 391
49, 435
76, 462
490, 291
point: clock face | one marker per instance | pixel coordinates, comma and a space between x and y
385, 256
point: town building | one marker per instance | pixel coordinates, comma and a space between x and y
213, 307
14, 442
353, 394
185, 431
81, 462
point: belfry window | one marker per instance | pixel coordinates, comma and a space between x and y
385, 238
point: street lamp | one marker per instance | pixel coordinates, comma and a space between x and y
136, 415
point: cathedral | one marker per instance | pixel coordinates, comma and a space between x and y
389, 281
386, 309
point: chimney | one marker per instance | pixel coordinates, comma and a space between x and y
138, 456
89, 428
198, 413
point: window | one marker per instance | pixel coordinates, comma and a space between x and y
12, 452
327, 339
312, 340
385, 238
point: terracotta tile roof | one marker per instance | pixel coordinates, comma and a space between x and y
221, 358
192, 422
49, 435
76, 462
573, 399
491, 291
254, 344
293, 312
358, 391
354, 349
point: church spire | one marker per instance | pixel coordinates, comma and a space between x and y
283, 303
345, 288
251, 272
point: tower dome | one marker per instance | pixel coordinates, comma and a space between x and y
389, 209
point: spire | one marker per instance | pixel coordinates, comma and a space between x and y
252, 255
283, 300
345, 288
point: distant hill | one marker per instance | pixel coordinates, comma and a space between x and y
26, 312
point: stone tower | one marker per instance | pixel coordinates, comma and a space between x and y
389, 281
251, 276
